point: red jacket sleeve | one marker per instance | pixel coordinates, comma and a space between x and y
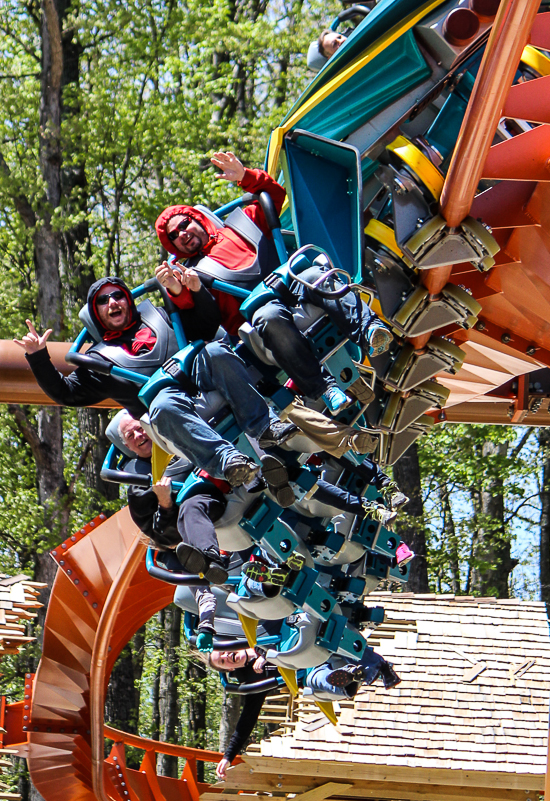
184, 300
259, 181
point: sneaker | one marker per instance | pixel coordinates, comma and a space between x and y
277, 434
363, 442
295, 561
258, 570
389, 676
198, 563
240, 470
342, 677
376, 511
336, 400
275, 474
403, 554
393, 496
379, 338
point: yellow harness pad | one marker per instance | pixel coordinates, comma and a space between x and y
159, 462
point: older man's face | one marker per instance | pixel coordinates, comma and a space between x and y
135, 438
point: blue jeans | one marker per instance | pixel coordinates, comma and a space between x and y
217, 367
173, 414
291, 349
338, 497
317, 679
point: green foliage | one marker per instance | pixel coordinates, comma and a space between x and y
479, 500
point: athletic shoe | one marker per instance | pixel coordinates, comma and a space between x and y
389, 676
275, 475
393, 496
403, 554
198, 563
277, 434
295, 561
375, 511
265, 574
379, 338
342, 677
336, 400
240, 470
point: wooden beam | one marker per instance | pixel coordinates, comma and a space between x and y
356, 771
324, 791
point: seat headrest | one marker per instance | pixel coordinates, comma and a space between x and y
218, 222
89, 325
113, 434
315, 60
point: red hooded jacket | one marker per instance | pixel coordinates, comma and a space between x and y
225, 245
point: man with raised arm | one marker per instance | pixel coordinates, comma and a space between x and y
142, 342
242, 252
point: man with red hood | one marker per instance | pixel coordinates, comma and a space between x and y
142, 340
242, 252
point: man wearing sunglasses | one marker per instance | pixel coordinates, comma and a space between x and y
236, 255
142, 341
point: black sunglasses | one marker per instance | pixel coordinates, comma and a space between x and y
181, 226
103, 300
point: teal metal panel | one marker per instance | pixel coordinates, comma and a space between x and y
326, 192
381, 19
389, 76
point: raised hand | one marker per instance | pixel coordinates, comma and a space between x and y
230, 166
168, 277
33, 341
189, 278
174, 280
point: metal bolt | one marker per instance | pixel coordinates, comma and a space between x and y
531, 350
505, 338
73, 538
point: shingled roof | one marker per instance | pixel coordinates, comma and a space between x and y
474, 692
18, 595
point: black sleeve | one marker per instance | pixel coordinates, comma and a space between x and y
249, 717
80, 388
158, 524
204, 319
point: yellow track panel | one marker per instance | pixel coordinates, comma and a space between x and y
419, 164
536, 60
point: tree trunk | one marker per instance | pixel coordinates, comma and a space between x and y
492, 560
155, 690
196, 674
544, 443
231, 709
168, 693
411, 528
450, 544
